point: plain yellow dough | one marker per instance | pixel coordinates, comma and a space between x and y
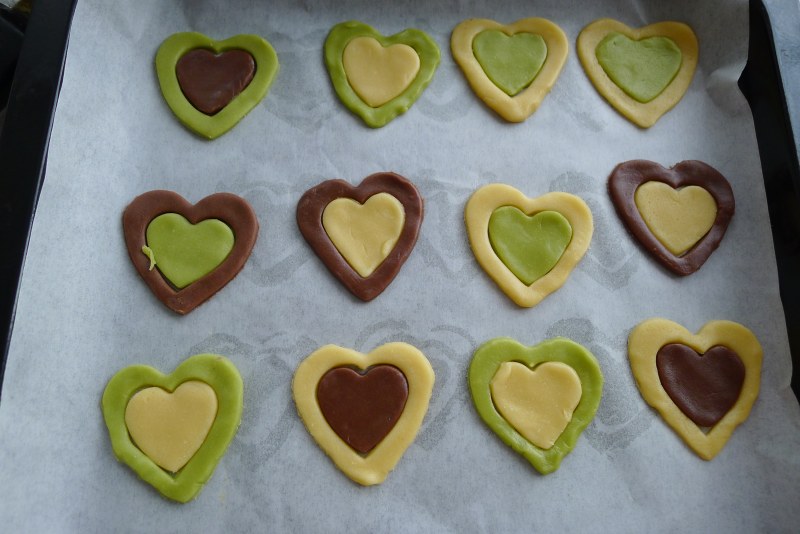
364, 234
538, 403
678, 218
170, 427
379, 74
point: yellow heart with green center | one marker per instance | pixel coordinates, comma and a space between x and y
642, 73
184, 252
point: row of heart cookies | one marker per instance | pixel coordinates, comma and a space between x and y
364, 234
211, 85
364, 410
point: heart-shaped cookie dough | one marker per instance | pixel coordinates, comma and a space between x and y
642, 73
492, 199
204, 246
208, 84
537, 399
172, 430
702, 388
510, 67
679, 215
372, 467
362, 234
378, 77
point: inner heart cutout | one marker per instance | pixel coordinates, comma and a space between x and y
311, 221
140, 400
377, 73
210, 81
368, 458
530, 246
642, 73
705, 387
510, 61
211, 85
362, 408
235, 215
510, 67
490, 365
666, 211
691, 391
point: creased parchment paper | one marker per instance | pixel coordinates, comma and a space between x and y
84, 313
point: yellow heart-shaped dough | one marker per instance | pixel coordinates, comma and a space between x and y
379, 74
642, 114
479, 210
170, 427
678, 218
538, 403
644, 343
364, 234
519, 107
374, 467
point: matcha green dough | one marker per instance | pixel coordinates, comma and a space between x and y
184, 252
510, 61
530, 246
212, 369
487, 360
643, 69
425, 47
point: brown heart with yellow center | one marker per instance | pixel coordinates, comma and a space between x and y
679, 215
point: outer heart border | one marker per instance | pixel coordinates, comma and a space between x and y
343, 33
626, 178
309, 220
212, 369
487, 360
212, 126
649, 336
231, 209
374, 467
479, 210
523, 104
647, 114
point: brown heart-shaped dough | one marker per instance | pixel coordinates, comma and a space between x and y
628, 176
362, 408
228, 208
705, 387
309, 219
210, 81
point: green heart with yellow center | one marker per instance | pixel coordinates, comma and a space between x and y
530, 246
486, 364
184, 252
510, 61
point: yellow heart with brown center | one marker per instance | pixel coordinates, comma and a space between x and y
679, 218
646, 342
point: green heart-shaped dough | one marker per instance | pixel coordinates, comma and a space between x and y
185, 252
216, 371
529, 246
212, 126
510, 61
425, 47
487, 360
643, 69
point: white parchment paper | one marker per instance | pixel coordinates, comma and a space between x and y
84, 313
